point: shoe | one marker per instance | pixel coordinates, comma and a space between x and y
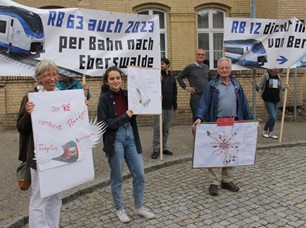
271, 135
167, 152
154, 155
213, 190
265, 134
230, 186
123, 217
145, 212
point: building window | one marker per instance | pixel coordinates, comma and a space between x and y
162, 28
210, 34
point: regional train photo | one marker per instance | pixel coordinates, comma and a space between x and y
21, 31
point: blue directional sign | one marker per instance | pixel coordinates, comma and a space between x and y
282, 59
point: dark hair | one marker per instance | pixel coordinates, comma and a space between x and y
165, 60
104, 86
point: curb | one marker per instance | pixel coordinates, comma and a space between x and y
23, 219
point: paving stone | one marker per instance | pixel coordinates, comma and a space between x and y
178, 194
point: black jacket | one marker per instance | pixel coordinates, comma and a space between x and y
169, 91
106, 113
26, 140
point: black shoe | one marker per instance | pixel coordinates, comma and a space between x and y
154, 155
167, 152
213, 190
230, 186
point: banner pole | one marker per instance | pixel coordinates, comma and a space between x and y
254, 93
284, 108
83, 79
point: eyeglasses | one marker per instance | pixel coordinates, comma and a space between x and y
224, 68
201, 54
49, 76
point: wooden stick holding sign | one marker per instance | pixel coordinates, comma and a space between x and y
85, 89
284, 108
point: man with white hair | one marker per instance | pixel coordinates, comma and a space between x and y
223, 97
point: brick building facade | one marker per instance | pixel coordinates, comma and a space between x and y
181, 34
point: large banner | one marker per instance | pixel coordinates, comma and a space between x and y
63, 140
265, 43
80, 41
225, 145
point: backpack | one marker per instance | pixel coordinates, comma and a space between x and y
262, 89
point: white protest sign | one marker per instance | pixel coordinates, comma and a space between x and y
85, 41
144, 90
264, 43
63, 140
225, 146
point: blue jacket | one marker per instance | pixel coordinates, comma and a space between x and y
75, 84
208, 106
106, 113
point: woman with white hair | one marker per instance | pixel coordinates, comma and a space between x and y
43, 212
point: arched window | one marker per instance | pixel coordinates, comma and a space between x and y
162, 28
210, 34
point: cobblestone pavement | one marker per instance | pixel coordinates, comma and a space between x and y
273, 194
273, 191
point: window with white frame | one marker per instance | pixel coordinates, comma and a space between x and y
210, 34
162, 28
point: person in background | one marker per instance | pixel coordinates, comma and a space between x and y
86, 91
121, 143
43, 212
66, 83
270, 85
197, 74
169, 105
223, 97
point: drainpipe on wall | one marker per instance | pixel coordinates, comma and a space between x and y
2, 97
253, 15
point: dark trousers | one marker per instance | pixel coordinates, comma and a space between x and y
194, 104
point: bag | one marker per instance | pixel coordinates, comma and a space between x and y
262, 90
23, 176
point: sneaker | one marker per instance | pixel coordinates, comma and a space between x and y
230, 186
213, 190
145, 212
167, 152
154, 155
271, 135
265, 134
123, 217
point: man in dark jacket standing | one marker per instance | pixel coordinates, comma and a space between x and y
169, 105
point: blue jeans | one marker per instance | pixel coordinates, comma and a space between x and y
125, 149
272, 109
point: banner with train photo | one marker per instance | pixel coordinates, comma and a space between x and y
264, 43
80, 41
